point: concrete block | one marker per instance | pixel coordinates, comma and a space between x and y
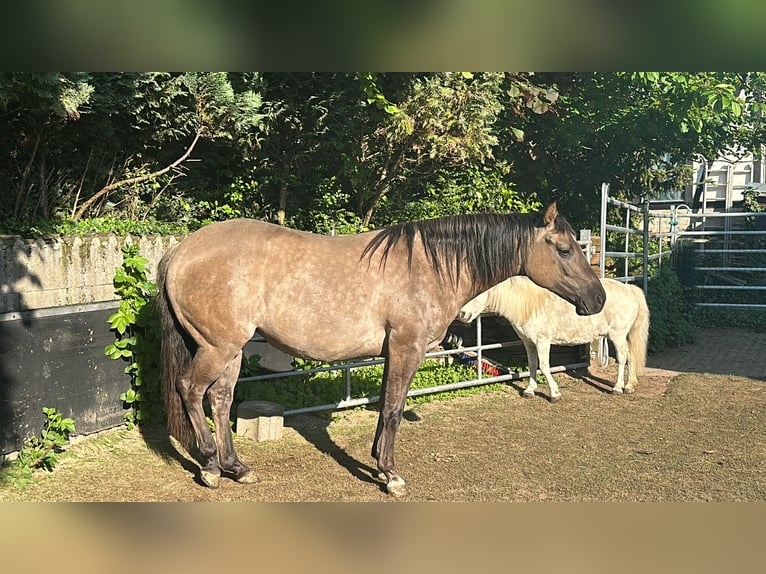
260, 420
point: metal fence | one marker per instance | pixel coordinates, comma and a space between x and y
723, 257
720, 255
661, 240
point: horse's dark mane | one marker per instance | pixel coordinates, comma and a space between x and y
492, 246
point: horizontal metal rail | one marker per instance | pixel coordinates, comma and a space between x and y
348, 403
720, 232
726, 214
628, 278
621, 229
734, 250
622, 204
734, 305
749, 269
627, 254
733, 287
347, 367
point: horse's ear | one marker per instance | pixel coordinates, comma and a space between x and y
551, 212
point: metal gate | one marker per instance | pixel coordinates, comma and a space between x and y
721, 256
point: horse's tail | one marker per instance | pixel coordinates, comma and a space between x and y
175, 356
638, 336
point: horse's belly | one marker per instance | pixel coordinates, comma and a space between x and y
325, 340
576, 331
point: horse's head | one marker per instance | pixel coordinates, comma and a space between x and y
473, 308
556, 261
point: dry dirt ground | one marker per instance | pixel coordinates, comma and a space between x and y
695, 430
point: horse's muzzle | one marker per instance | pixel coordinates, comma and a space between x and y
591, 306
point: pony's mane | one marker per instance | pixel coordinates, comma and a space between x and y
519, 299
491, 246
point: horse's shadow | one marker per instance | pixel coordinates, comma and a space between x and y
315, 430
159, 441
587, 376
583, 374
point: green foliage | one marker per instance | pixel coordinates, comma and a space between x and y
670, 324
473, 190
106, 224
730, 317
349, 151
40, 453
632, 130
367, 81
329, 213
750, 200
137, 331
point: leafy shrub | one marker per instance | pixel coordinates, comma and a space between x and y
108, 224
670, 324
40, 452
138, 334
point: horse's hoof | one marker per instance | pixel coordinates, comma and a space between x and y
628, 391
210, 479
396, 487
248, 478
528, 395
555, 399
616, 391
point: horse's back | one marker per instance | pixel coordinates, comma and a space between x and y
308, 294
622, 303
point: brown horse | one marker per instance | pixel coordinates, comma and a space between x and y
390, 293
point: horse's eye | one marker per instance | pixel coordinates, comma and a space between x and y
565, 251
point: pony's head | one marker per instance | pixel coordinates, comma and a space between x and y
556, 261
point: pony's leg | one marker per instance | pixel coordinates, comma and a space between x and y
205, 368
401, 365
630, 386
544, 355
621, 350
532, 361
221, 395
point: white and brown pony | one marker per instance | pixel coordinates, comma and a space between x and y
391, 293
541, 319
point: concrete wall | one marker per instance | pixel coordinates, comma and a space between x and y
71, 270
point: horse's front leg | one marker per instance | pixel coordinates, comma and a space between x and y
544, 355
401, 365
221, 395
532, 361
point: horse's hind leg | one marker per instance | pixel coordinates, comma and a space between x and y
621, 350
205, 368
630, 386
221, 395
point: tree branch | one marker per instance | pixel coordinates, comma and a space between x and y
104, 190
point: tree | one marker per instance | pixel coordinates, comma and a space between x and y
36, 109
217, 112
635, 131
